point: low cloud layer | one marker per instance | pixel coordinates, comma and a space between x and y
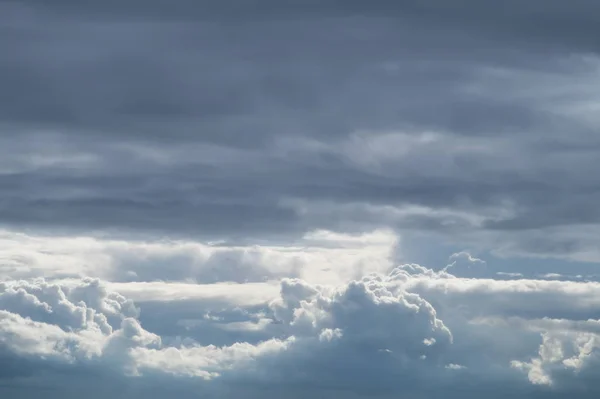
400, 330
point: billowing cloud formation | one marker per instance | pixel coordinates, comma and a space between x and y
43, 323
410, 330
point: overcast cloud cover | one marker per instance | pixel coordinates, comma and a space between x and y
299, 198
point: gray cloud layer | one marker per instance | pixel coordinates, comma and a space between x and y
239, 120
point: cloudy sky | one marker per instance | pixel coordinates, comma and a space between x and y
299, 198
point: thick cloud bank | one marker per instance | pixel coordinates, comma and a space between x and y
249, 121
407, 330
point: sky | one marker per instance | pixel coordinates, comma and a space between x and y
299, 198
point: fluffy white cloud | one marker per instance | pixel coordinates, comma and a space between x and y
71, 322
332, 315
381, 332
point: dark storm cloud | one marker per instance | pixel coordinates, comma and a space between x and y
323, 71
240, 119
